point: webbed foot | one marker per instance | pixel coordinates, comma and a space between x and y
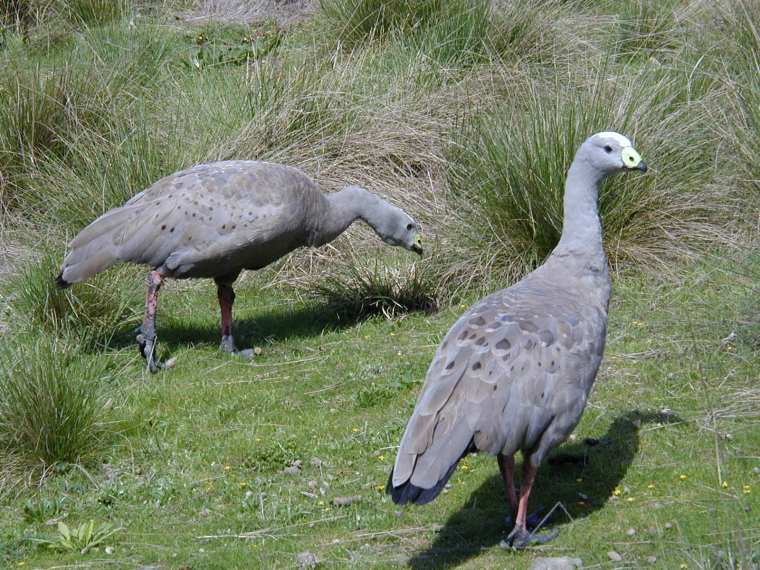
521, 537
228, 345
147, 347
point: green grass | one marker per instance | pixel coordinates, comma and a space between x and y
509, 170
87, 315
466, 115
49, 406
359, 287
334, 394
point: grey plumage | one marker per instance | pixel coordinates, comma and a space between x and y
515, 371
220, 218
215, 220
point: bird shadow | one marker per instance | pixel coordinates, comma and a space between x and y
582, 476
279, 323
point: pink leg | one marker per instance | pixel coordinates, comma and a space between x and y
529, 475
507, 468
226, 296
147, 337
520, 537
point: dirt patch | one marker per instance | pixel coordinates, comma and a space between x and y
284, 12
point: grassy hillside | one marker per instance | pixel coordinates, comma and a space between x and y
466, 114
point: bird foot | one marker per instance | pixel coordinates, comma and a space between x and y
246, 353
228, 345
521, 537
147, 346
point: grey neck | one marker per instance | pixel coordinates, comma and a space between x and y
581, 228
344, 207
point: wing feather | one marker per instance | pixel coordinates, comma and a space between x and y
492, 384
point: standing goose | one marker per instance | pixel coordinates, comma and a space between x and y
214, 220
515, 371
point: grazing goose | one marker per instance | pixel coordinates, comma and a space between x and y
214, 220
514, 372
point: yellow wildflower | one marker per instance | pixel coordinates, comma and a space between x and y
629, 499
354, 430
746, 489
650, 486
617, 492
725, 484
683, 477
381, 457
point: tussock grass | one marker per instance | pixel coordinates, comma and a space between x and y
88, 315
356, 21
360, 286
49, 404
648, 28
452, 33
32, 120
94, 12
508, 170
741, 70
59, 115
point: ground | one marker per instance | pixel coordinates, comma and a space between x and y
198, 476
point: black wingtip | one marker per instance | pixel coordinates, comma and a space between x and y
61, 282
409, 493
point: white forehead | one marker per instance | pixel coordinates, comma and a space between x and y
613, 136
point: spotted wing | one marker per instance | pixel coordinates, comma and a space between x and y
503, 372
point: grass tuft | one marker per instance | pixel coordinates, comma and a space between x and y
49, 406
32, 119
358, 286
509, 171
647, 28
96, 12
89, 314
356, 21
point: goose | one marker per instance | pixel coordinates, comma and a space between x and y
213, 221
515, 371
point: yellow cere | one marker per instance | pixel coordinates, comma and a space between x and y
631, 158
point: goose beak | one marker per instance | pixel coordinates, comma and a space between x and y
632, 160
416, 246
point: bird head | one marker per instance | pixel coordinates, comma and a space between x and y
612, 152
401, 230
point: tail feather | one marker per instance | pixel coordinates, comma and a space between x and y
96, 247
88, 262
408, 492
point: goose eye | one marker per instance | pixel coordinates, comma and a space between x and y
607, 149
409, 227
